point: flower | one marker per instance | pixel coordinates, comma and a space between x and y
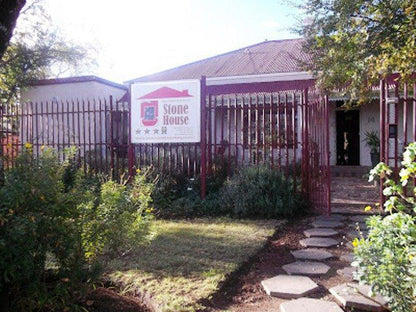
367, 208
355, 242
28, 145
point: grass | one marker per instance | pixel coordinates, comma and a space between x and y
188, 259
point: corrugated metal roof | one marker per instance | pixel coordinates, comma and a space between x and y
77, 79
268, 57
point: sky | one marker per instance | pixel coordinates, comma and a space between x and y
134, 38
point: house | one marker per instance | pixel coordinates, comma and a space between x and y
272, 66
260, 106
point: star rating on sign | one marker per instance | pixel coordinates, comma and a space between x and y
146, 131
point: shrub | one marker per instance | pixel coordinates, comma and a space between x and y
260, 192
387, 258
49, 213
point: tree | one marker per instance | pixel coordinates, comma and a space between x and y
37, 51
353, 43
9, 12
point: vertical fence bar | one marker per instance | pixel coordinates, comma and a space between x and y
405, 112
203, 138
414, 113
382, 133
294, 140
328, 157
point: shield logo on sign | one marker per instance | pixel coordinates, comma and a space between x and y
149, 113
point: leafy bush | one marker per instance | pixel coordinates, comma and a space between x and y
49, 213
387, 258
260, 192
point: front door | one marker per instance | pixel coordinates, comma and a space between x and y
348, 139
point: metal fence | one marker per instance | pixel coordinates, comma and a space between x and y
284, 127
97, 128
397, 122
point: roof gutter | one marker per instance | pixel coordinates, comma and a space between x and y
216, 81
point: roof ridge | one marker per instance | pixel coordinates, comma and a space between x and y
214, 56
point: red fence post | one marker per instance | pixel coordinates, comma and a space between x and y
328, 155
382, 133
130, 152
203, 139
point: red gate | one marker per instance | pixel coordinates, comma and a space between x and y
316, 177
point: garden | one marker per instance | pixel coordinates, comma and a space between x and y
65, 232
71, 240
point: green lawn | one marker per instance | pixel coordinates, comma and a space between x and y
188, 259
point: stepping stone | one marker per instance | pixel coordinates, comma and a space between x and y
357, 234
348, 272
333, 217
326, 224
289, 287
359, 218
309, 305
349, 257
361, 226
311, 254
353, 296
306, 268
320, 232
318, 242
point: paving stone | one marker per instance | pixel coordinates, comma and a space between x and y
327, 224
348, 272
349, 257
333, 217
289, 286
359, 218
312, 254
320, 232
354, 233
353, 296
306, 268
318, 242
358, 225
309, 305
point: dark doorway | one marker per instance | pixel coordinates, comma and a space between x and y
348, 138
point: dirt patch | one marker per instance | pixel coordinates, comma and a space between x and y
106, 300
247, 294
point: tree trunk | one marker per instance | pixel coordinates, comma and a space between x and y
9, 12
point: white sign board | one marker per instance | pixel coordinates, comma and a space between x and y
166, 112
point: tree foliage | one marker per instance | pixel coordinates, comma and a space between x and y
37, 51
356, 42
386, 259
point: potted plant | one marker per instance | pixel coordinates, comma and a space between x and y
373, 142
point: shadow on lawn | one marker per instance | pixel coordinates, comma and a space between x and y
188, 252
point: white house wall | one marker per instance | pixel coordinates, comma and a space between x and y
87, 90
67, 114
369, 121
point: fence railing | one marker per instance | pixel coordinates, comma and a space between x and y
281, 129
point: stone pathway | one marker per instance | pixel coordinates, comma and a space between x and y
325, 235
